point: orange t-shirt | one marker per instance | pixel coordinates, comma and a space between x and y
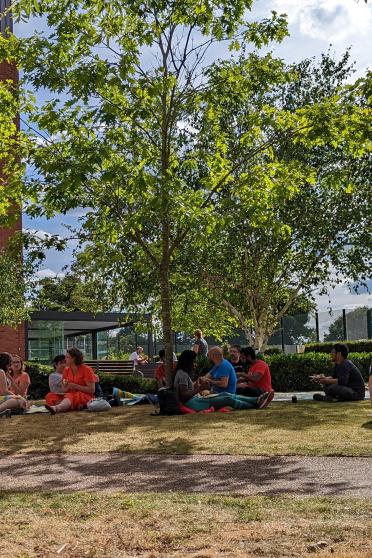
160, 370
260, 367
84, 375
24, 379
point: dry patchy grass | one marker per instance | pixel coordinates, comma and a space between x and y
156, 526
307, 428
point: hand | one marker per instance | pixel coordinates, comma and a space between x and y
70, 385
65, 383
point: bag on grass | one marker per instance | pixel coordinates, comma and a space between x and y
168, 404
98, 405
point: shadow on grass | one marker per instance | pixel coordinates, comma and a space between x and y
133, 430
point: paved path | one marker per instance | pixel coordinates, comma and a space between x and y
246, 475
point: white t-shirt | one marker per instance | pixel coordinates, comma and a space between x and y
135, 357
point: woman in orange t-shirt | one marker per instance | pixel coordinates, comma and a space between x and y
19, 378
78, 380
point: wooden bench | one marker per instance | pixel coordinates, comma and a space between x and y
122, 367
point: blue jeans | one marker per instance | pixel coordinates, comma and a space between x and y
237, 402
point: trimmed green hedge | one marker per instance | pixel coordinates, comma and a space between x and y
291, 372
288, 372
40, 387
354, 346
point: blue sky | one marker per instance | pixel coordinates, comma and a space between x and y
313, 26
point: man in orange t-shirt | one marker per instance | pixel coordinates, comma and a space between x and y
257, 379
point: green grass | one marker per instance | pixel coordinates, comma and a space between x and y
308, 428
177, 524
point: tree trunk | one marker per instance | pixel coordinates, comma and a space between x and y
166, 323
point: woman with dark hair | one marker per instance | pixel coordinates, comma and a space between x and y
79, 383
19, 377
187, 391
8, 400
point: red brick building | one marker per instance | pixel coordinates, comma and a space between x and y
11, 340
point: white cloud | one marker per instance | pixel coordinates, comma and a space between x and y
40, 234
341, 297
48, 273
330, 20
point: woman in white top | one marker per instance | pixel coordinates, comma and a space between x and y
8, 400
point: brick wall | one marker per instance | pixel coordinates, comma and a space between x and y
11, 340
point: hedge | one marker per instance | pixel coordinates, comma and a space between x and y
291, 372
354, 346
288, 372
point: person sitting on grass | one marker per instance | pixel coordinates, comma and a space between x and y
160, 369
346, 384
56, 388
19, 377
257, 380
235, 359
187, 392
8, 400
221, 378
78, 383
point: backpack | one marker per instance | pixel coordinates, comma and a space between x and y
168, 402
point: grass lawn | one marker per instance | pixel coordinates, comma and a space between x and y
308, 428
174, 525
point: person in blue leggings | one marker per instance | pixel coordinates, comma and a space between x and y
187, 391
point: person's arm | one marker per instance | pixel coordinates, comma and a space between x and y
222, 382
88, 388
23, 385
250, 378
195, 348
327, 380
4, 385
185, 393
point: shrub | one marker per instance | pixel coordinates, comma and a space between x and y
291, 372
39, 382
354, 346
288, 372
272, 351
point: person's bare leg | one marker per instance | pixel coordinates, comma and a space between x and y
11, 404
62, 407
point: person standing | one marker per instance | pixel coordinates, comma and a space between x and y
347, 382
200, 346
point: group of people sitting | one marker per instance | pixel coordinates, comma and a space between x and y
14, 383
242, 382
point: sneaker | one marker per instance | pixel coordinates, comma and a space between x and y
265, 399
321, 397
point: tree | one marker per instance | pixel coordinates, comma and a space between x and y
127, 84
70, 293
141, 131
310, 218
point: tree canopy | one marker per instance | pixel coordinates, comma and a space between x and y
157, 143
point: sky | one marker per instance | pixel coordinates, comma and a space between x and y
314, 25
